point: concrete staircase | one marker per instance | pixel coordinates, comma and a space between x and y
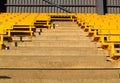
65, 47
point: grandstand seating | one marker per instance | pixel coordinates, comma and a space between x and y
102, 28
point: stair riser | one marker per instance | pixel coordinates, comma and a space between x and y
50, 44
54, 62
60, 76
77, 34
52, 38
54, 53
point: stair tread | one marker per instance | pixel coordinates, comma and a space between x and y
58, 80
55, 62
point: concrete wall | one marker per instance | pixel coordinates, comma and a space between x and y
113, 6
77, 6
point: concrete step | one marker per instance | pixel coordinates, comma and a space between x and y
54, 43
60, 76
65, 24
66, 41
56, 62
53, 37
61, 30
76, 34
58, 48
58, 79
62, 34
65, 32
62, 37
54, 52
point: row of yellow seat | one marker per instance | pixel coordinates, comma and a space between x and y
104, 29
14, 23
25, 23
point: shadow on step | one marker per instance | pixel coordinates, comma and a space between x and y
5, 77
